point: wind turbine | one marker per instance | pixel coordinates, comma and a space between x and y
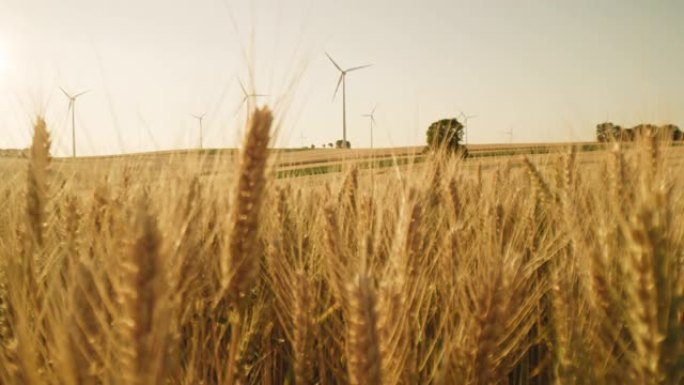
465, 119
372, 120
72, 107
248, 96
199, 119
342, 80
510, 135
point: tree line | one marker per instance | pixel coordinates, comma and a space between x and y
609, 132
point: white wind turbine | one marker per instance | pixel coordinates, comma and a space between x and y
371, 117
464, 119
342, 80
249, 98
510, 135
199, 119
302, 140
72, 107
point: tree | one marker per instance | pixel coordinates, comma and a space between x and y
627, 135
671, 132
341, 144
603, 131
445, 133
608, 132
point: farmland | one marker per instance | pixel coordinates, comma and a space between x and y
311, 192
293, 163
524, 264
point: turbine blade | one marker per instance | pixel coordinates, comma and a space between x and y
338, 85
65, 93
239, 107
243, 103
358, 68
333, 61
244, 90
81, 93
374, 108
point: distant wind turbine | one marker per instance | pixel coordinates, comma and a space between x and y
72, 107
342, 80
249, 97
510, 134
199, 119
372, 121
465, 119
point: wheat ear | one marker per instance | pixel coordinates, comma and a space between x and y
242, 263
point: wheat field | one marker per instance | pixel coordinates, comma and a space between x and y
561, 269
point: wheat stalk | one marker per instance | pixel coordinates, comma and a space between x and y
364, 359
144, 296
241, 265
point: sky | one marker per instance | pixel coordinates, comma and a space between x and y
545, 71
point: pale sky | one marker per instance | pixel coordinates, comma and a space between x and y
548, 70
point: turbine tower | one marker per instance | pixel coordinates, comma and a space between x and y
302, 139
510, 135
199, 119
465, 119
72, 107
342, 80
371, 117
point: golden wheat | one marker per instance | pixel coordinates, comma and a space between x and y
561, 268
